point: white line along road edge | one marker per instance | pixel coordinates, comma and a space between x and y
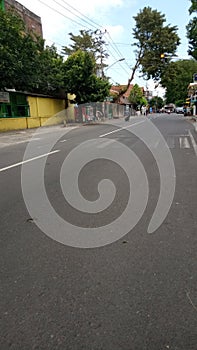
28, 160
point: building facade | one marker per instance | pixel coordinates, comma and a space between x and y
32, 21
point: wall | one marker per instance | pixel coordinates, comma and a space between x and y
8, 124
44, 107
43, 112
32, 21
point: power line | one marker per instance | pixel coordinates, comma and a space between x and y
110, 40
116, 49
82, 14
60, 13
93, 23
84, 20
123, 44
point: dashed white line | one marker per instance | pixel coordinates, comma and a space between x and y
120, 129
184, 143
28, 160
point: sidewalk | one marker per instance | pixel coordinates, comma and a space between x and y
10, 138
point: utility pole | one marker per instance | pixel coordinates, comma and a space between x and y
102, 53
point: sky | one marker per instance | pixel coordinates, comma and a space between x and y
60, 17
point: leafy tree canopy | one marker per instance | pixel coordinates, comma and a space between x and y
193, 7
152, 39
176, 79
80, 79
136, 96
25, 64
192, 30
91, 42
83, 41
156, 102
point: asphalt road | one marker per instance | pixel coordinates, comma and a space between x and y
137, 293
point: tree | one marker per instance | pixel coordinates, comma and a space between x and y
156, 102
91, 42
176, 79
11, 39
80, 79
51, 71
136, 97
192, 30
25, 63
152, 38
193, 7
84, 42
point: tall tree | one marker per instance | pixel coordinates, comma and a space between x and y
176, 79
192, 30
84, 41
51, 71
25, 63
11, 41
91, 42
80, 79
152, 38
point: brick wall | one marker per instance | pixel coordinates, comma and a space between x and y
32, 21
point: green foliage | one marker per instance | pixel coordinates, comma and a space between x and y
79, 78
11, 39
176, 79
84, 42
156, 102
91, 42
180, 103
24, 62
26, 65
192, 30
193, 7
153, 38
136, 96
51, 71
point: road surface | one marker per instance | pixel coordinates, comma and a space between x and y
137, 293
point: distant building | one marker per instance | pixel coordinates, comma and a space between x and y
124, 99
32, 21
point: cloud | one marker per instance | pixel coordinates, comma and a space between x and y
115, 31
58, 18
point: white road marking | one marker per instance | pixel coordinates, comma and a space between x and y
28, 160
193, 142
120, 129
63, 141
184, 143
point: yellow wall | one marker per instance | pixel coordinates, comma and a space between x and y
33, 123
7, 124
43, 111
44, 107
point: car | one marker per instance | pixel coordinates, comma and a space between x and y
179, 110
